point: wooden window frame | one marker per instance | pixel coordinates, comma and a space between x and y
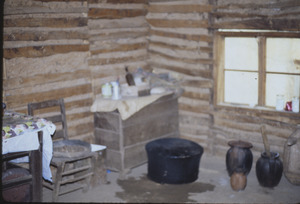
219, 67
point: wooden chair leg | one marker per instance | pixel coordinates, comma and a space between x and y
57, 182
89, 178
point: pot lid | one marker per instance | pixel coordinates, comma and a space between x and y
240, 143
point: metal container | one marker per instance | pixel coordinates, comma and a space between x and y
173, 160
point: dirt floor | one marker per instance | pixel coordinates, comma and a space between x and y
212, 186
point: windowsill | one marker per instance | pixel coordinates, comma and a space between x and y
259, 111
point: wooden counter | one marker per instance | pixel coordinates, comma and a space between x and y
126, 139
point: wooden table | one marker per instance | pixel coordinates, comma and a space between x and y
25, 137
126, 139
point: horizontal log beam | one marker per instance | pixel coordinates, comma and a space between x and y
101, 13
266, 24
181, 47
197, 96
28, 81
41, 51
220, 15
165, 23
269, 5
21, 35
198, 83
121, 48
193, 37
194, 109
103, 61
182, 70
119, 1
46, 22
186, 60
21, 99
182, 8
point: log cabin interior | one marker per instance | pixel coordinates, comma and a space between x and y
233, 59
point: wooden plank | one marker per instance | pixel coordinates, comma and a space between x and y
13, 100
120, 33
120, 48
111, 60
23, 81
262, 52
244, 15
120, 1
180, 8
61, 0
272, 117
135, 155
157, 127
270, 5
205, 73
109, 121
178, 47
265, 24
194, 109
81, 129
35, 35
199, 96
70, 22
167, 23
218, 75
179, 59
193, 37
41, 51
198, 83
105, 13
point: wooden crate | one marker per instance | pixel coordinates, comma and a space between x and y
126, 139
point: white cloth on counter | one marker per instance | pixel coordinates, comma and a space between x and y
126, 106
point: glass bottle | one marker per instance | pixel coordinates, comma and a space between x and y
129, 78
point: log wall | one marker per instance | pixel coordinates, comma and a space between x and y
283, 15
182, 40
46, 51
69, 48
118, 38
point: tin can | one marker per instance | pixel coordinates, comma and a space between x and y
106, 90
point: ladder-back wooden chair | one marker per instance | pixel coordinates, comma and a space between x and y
69, 172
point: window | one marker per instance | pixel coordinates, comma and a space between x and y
254, 68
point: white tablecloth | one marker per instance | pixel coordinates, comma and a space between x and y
27, 140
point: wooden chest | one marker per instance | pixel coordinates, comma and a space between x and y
126, 139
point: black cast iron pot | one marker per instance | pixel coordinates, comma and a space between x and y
173, 160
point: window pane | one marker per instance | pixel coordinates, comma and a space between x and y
281, 53
279, 84
241, 87
241, 53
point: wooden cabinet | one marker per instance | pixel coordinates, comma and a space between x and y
126, 139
